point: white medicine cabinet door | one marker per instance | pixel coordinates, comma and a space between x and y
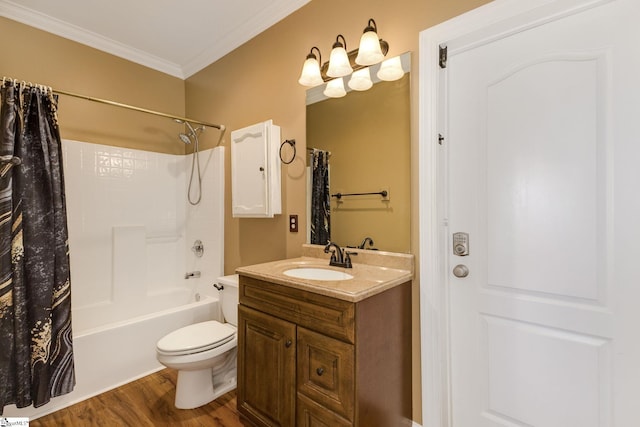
255, 171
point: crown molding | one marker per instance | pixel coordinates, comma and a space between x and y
258, 23
72, 32
214, 51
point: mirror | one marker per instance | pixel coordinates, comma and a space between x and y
368, 136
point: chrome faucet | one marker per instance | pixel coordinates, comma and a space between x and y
338, 257
364, 242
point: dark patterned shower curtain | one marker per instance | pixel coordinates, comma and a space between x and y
320, 198
36, 356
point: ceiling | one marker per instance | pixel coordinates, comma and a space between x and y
177, 37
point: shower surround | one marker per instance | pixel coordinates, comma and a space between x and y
131, 230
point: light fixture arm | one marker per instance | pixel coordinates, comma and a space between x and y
312, 56
371, 26
338, 44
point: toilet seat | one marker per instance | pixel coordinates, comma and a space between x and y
196, 338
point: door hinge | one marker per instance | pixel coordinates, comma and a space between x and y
440, 139
443, 57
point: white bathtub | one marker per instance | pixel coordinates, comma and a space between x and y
115, 354
129, 256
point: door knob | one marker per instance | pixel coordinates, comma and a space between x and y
461, 271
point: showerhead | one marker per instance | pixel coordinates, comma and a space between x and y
184, 137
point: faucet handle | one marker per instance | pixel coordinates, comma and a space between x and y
347, 258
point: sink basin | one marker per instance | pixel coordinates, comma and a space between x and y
313, 273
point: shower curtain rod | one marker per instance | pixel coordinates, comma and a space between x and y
118, 104
310, 149
142, 110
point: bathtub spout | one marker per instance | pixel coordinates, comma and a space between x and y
192, 275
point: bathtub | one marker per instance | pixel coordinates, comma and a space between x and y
129, 260
111, 355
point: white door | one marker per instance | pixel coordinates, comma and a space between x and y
542, 159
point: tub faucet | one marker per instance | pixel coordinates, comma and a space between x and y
338, 258
192, 275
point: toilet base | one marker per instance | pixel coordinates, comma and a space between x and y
199, 387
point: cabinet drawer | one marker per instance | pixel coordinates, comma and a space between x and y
320, 313
326, 371
310, 414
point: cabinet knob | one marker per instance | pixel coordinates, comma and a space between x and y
319, 371
261, 169
288, 343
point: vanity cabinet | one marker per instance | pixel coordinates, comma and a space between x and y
312, 360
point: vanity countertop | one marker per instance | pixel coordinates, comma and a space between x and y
378, 272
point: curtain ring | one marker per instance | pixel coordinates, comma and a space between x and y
292, 143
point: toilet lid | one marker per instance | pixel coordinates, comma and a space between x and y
197, 336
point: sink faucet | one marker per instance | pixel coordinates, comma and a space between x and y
364, 242
336, 255
338, 258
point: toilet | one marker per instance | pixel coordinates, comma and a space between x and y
204, 354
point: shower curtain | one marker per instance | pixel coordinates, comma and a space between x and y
320, 198
36, 355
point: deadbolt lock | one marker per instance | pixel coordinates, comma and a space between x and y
461, 244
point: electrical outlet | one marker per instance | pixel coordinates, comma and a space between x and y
293, 223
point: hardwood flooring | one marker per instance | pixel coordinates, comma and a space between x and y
145, 402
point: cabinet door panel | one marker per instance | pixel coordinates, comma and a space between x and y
310, 414
326, 371
266, 368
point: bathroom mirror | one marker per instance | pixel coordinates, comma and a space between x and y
368, 136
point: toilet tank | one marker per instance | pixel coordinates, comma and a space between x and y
229, 298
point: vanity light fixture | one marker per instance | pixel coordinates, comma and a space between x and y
310, 75
369, 52
339, 65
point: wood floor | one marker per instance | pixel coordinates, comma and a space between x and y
145, 402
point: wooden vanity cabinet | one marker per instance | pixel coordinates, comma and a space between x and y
311, 360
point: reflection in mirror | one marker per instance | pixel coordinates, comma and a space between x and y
368, 137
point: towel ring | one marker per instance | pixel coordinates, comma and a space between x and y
292, 143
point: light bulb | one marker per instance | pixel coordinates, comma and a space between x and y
369, 52
335, 88
310, 75
339, 60
360, 80
391, 69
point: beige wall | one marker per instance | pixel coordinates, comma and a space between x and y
258, 81
32, 55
